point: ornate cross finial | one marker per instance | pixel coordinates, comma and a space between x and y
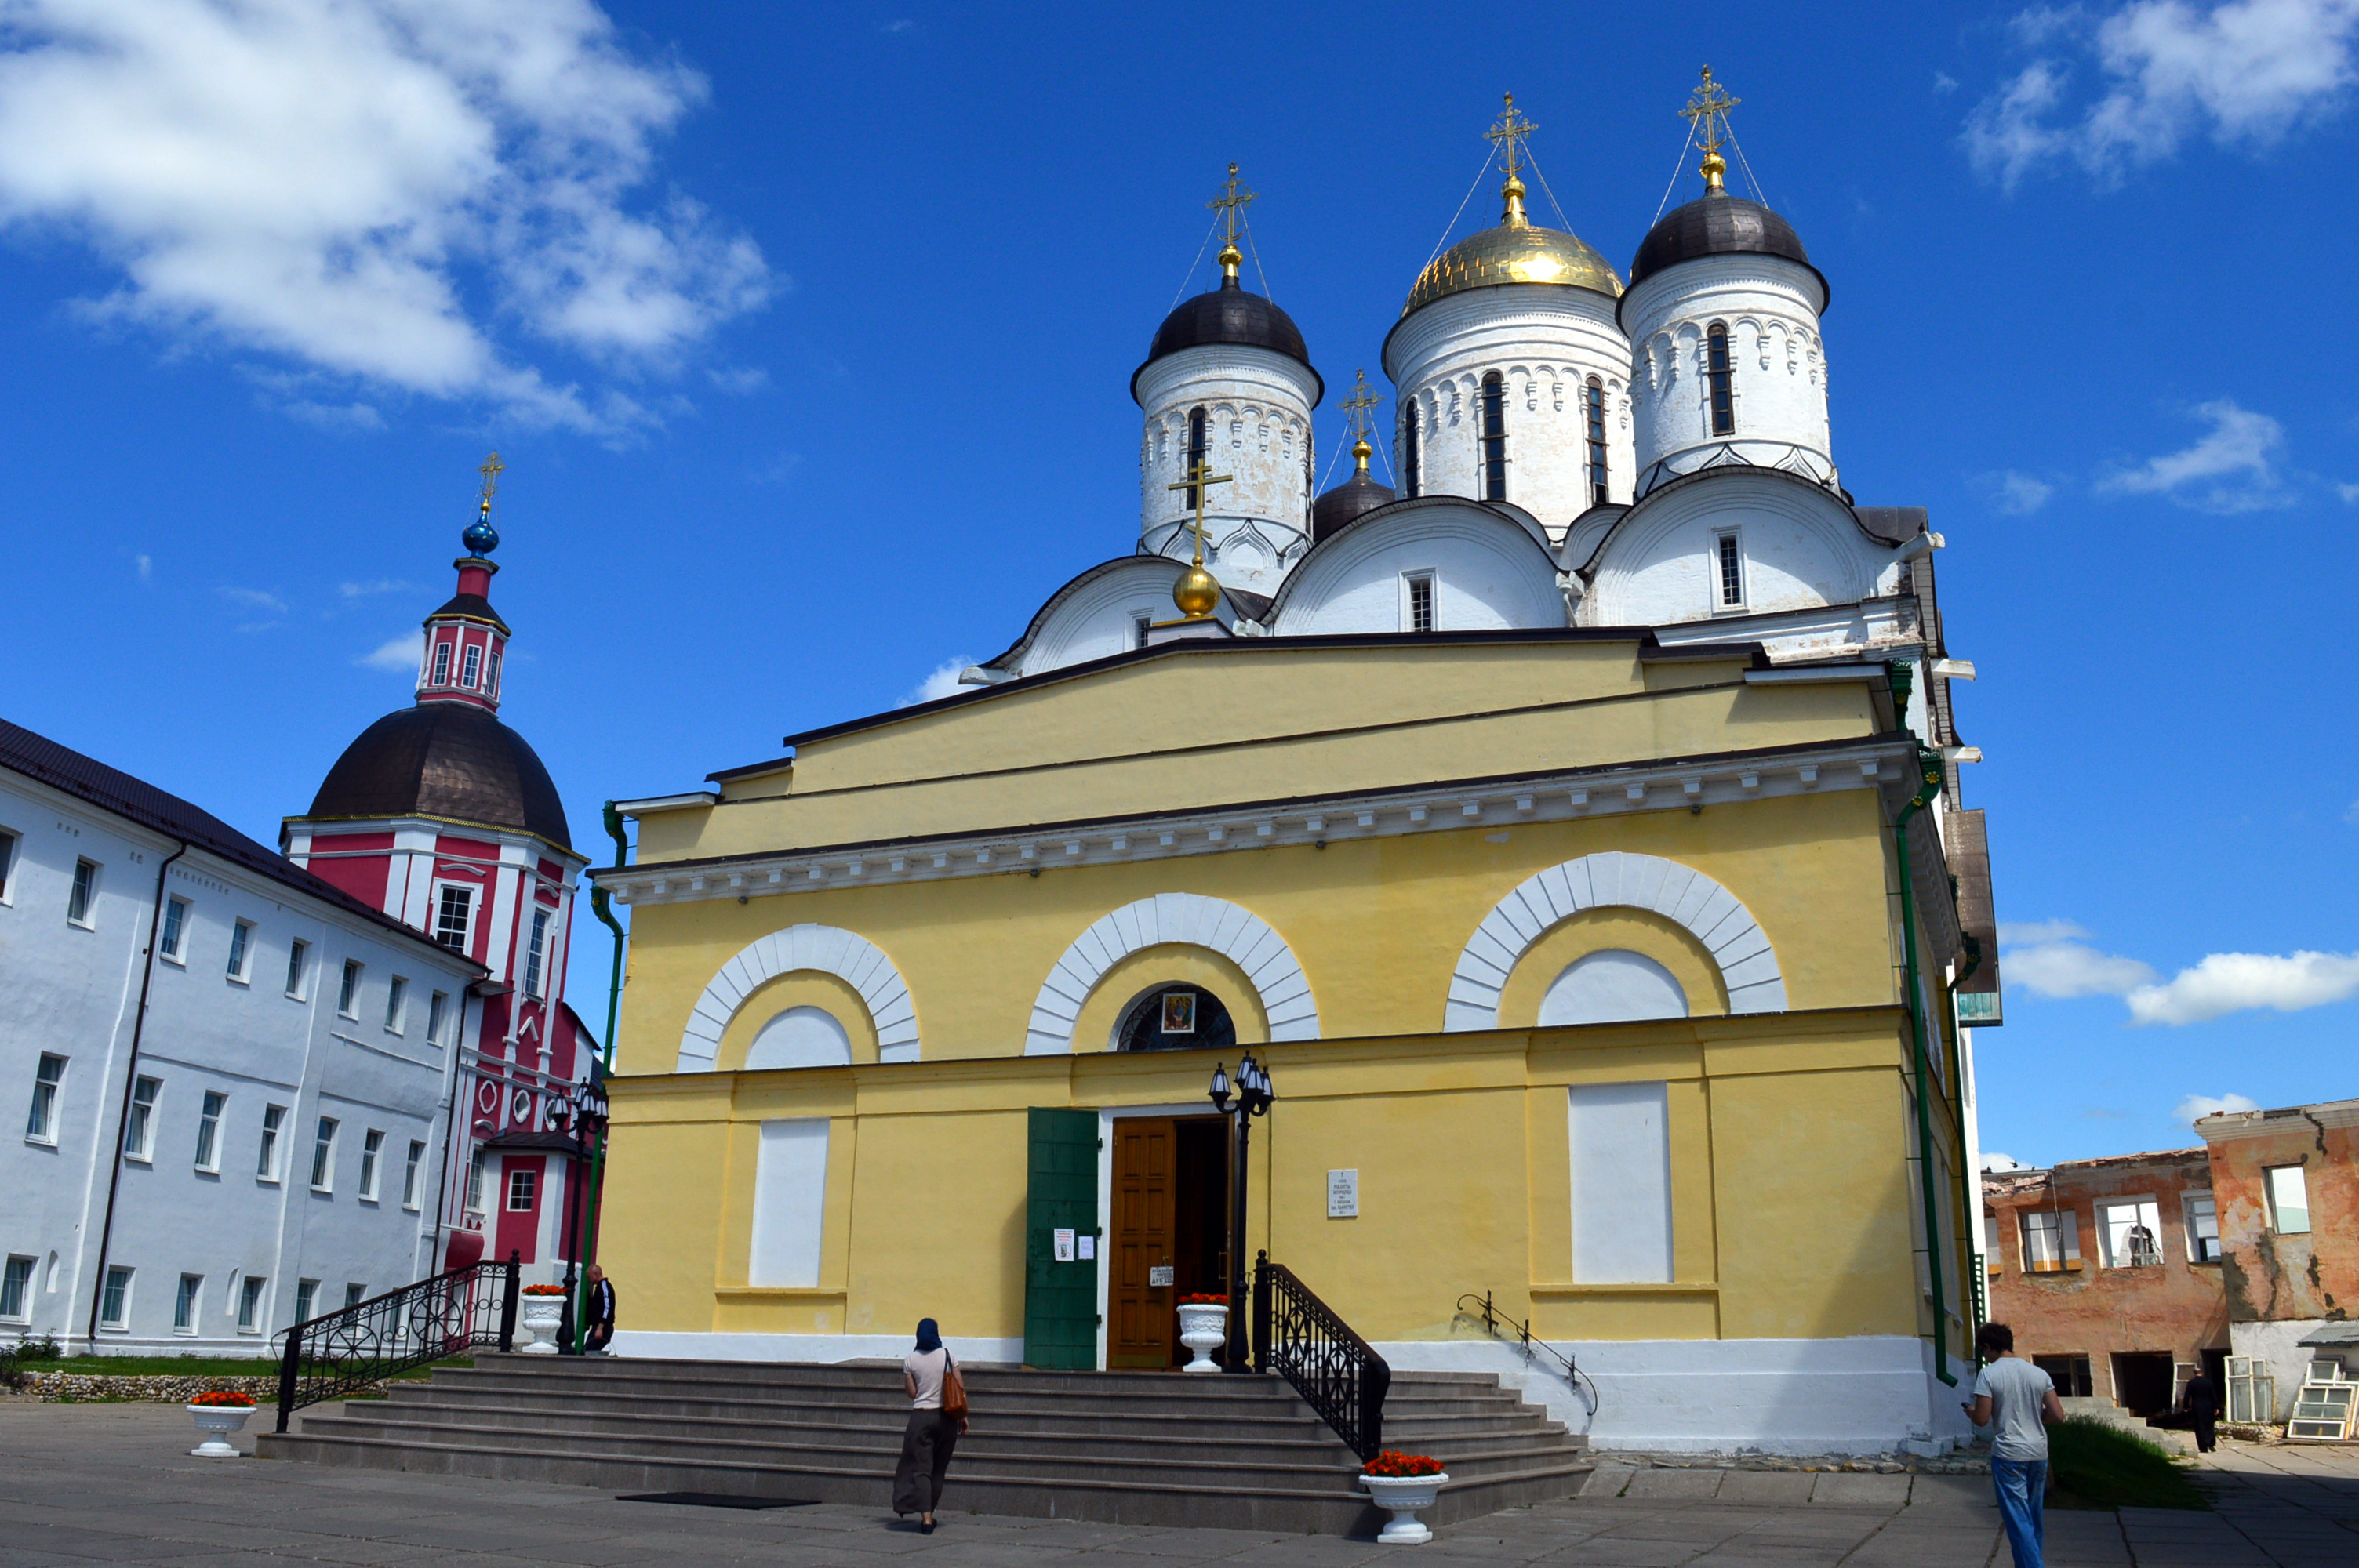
491, 470
1509, 132
1355, 407
1707, 113
1231, 203
1201, 477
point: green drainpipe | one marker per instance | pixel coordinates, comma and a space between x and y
599, 905
1930, 774
1972, 1260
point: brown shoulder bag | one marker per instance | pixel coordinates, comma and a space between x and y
953, 1389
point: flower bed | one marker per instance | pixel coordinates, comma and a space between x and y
1392, 1464
73, 1388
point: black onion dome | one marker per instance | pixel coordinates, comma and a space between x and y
447, 759
1229, 314
1720, 225
1346, 504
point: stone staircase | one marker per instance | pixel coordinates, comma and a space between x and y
1119, 1447
2170, 1439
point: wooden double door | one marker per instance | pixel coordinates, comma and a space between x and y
1170, 1233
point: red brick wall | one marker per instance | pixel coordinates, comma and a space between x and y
2268, 1275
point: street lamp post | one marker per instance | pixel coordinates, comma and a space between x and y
1251, 1098
586, 1114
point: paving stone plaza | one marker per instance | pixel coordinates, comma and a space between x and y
84, 1484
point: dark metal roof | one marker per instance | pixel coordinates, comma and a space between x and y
1230, 315
1346, 504
474, 607
447, 759
1893, 524
1720, 225
85, 778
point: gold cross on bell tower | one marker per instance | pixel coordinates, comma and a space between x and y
1508, 133
491, 470
1707, 112
1231, 204
1358, 419
1196, 592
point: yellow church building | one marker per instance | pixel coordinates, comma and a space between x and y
1571, 833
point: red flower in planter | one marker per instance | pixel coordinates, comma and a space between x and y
544, 1290
228, 1397
1204, 1298
1393, 1462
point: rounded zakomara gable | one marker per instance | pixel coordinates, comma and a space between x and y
795, 990
1154, 968
1616, 927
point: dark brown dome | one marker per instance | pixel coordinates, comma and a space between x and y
1346, 504
446, 760
1229, 314
1717, 225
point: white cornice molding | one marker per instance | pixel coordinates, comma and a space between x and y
1554, 796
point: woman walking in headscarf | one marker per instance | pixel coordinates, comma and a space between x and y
935, 1426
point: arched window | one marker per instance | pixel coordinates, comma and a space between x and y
1494, 438
1412, 417
1596, 400
1197, 446
1724, 397
1178, 1018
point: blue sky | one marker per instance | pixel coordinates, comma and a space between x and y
806, 332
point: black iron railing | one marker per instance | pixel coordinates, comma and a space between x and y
1500, 1325
1337, 1373
449, 1315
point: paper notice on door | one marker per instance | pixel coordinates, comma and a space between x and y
1342, 1194
1158, 1276
1089, 1247
1064, 1245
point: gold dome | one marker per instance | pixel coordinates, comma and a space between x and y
1196, 592
1515, 252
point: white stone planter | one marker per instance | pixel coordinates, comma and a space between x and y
1203, 1329
1402, 1496
540, 1316
217, 1422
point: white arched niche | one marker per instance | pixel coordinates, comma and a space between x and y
800, 1037
1612, 985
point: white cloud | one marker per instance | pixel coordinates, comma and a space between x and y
2231, 470
2070, 969
738, 382
1944, 83
146, 566
2023, 934
2243, 72
363, 187
2349, 492
2195, 1108
2019, 494
2232, 982
400, 654
943, 682
1994, 1161
366, 589
254, 598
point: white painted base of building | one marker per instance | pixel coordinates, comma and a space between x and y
1870, 1395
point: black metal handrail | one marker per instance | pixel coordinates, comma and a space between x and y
1337, 1373
1499, 1325
373, 1340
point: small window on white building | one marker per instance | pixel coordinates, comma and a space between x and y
396, 1004
266, 1159
323, 1156
372, 1145
209, 1130
249, 1305
174, 946
307, 1298
82, 903
436, 1006
115, 1298
1728, 572
1138, 625
2288, 1200
139, 1128
298, 955
452, 908
7, 866
241, 951
16, 1291
41, 1119
353, 1292
410, 1175
348, 994
521, 1185
2131, 1233
1417, 601
536, 952
474, 666
185, 1302
2051, 1241
2202, 1228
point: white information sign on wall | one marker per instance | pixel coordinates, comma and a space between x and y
1063, 1243
1089, 1246
1342, 1194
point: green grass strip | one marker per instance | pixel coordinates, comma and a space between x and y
2103, 1466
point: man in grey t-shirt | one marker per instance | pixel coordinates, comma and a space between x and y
2016, 1399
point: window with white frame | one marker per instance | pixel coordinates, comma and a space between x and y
7, 866
1417, 601
1139, 622
16, 1291
249, 1305
82, 901
410, 1175
2289, 1190
536, 950
2051, 1241
2202, 1228
323, 1156
442, 664
436, 1006
185, 1302
1728, 572
491, 677
298, 956
475, 1183
521, 1184
42, 1117
209, 1130
266, 1159
396, 1004
372, 1145
2130, 1232
139, 1128
115, 1298
241, 951
454, 908
473, 666
307, 1297
348, 993
174, 946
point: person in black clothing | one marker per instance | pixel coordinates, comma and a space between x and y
2202, 1402
601, 1312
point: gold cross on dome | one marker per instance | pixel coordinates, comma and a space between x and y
1509, 132
491, 470
1200, 477
1355, 407
1707, 112
1231, 203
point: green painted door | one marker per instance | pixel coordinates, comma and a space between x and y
1060, 1296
